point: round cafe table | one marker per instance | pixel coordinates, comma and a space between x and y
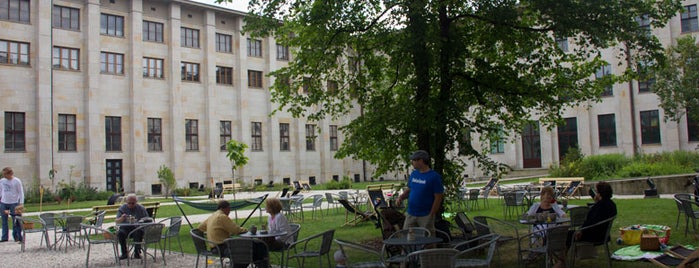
261, 234
412, 245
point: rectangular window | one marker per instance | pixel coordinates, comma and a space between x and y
254, 48
284, 137
152, 31
282, 52
310, 137
111, 25
224, 75
153, 68
650, 127
14, 52
497, 142
112, 130
256, 133
190, 71
14, 132
191, 134
600, 74
189, 37
465, 146
111, 63
254, 79
567, 136
224, 43
333, 138
644, 23
65, 18
225, 134
332, 86
14, 10
606, 126
306, 85
689, 19
562, 43
692, 129
645, 86
65, 58
155, 134
67, 136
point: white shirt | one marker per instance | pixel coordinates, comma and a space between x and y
11, 191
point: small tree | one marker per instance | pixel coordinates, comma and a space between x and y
167, 179
677, 80
236, 153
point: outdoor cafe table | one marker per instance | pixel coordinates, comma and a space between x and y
412, 245
262, 234
60, 222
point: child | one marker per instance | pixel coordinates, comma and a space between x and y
17, 233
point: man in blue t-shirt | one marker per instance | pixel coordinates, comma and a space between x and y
425, 193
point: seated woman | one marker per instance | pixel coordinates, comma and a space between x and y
276, 223
547, 205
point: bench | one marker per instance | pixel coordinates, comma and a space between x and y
232, 187
558, 181
111, 210
566, 186
383, 186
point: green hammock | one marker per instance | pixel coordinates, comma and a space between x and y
213, 206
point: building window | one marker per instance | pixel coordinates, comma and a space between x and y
66, 132
332, 86
155, 134
562, 43
14, 10
567, 136
497, 142
225, 134
601, 73
644, 23
14, 132
606, 126
306, 85
224, 75
256, 133
65, 58
465, 146
191, 134
152, 31
111, 63
224, 43
692, 128
111, 25
283, 136
14, 52
65, 18
112, 130
310, 137
282, 52
650, 127
645, 86
190, 71
333, 138
254, 48
254, 79
189, 37
153, 68
689, 19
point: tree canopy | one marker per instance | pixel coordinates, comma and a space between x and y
677, 80
425, 74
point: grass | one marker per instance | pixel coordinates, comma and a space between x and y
630, 211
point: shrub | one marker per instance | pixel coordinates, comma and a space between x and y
639, 169
600, 167
345, 183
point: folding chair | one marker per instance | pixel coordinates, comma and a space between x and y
358, 216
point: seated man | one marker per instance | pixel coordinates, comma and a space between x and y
218, 227
130, 209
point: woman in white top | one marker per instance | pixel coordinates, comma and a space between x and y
276, 223
547, 204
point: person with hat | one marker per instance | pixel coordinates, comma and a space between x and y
425, 193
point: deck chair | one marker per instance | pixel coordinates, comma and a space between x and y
358, 215
676, 256
571, 190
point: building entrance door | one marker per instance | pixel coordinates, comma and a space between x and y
531, 145
114, 175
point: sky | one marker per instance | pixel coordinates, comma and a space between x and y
240, 5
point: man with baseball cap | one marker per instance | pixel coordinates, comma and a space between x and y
425, 193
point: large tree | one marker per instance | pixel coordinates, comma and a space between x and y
424, 74
677, 80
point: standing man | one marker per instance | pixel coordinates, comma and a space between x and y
425, 193
131, 208
11, 196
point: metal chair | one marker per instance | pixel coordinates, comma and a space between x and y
308, 251
36, 229
241, 251
552, 243
473, 198
291, 237
396, 256
488, 225
680, 208
316, 205
330, 198
202, 249
172, 231
577, 216
489, 241
152, 234
435, 257
48, 220
576, 245
91, 233
362, 253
